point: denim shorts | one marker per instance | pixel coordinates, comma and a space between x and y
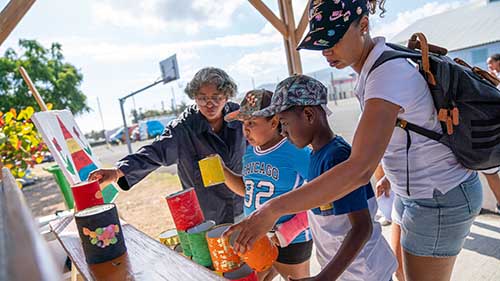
437, 227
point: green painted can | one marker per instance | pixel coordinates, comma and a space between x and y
63, 185
198, 242
186, 248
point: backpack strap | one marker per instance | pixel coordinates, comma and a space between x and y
397, 53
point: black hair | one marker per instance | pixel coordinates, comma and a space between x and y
299, 108
495, 57
373, 5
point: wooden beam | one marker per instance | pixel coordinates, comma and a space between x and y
11, 15
270, 16
304, 20
293, 56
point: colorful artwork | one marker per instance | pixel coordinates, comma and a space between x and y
69, 147
103, 236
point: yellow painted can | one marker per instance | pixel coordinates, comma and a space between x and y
211, 170
169, 238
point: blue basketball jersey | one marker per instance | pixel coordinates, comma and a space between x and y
272, 172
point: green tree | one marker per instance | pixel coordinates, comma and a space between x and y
57, 81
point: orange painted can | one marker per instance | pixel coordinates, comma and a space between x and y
224, 259
262, 255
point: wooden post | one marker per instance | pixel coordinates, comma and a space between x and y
286, 26
10, 16
33, 89
293, 57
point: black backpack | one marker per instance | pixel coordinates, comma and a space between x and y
466, 99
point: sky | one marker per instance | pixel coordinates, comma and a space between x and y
118, 44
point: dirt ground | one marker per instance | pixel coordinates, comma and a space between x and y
144, 206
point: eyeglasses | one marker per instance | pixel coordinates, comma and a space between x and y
203, 100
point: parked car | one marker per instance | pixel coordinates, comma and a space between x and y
119, 137
155, 128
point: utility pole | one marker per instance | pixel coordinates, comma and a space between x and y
174, 104
333, 88
102, 121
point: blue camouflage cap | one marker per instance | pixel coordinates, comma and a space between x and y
296, 90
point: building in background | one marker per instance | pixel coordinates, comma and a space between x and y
471, 32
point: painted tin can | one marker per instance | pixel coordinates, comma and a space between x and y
262, 255
243, 273
101, 233
169, 238
87, 194
185, 209
211, 170
186, 248
198, 243
224, 259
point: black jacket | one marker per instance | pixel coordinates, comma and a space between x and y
185, 141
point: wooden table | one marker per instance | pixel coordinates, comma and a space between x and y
146, 258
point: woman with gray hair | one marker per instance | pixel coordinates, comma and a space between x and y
197, 133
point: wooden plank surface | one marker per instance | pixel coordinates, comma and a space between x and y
24, 254
146, 258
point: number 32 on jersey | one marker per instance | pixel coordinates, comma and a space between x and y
259, 194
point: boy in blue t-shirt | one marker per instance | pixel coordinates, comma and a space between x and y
272, 166
349, 242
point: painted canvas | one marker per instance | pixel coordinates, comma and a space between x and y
69, 147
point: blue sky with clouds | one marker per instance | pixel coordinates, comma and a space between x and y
117, 44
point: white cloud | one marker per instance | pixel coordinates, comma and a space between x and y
188, 50
153, 16
263, 63
406, 18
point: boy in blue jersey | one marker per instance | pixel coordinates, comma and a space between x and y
349, 242
272, 166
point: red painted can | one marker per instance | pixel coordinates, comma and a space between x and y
87, 194
185, 209
244, 273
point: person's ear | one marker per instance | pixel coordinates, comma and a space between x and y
275, 122
364, 25
309, 114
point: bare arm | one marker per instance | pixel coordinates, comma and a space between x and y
370, 141
355, 240
234, 181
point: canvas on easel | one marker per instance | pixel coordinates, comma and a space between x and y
70, 148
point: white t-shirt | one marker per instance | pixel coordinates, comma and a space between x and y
375, 262
330, 223
432, 165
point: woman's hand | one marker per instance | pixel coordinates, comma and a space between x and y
252, 228
106, 176
383, 186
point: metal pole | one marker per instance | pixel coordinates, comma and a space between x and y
102, 121
334, 93
122, 101
174, 104
125, 128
